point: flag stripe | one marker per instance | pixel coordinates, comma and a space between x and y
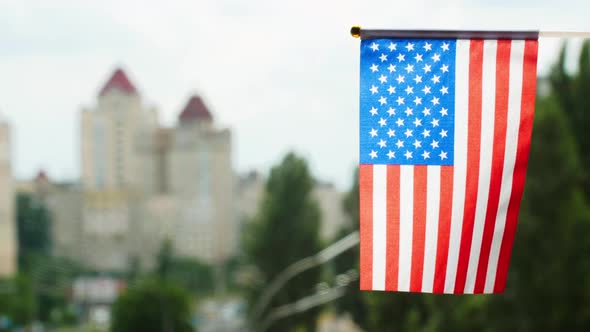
391, 272
499, 145
432, 211
460, 162
444, 228
472, 172
366, 225
405, 226
512, 127
419, 227
485, 156
522, 155
379, 225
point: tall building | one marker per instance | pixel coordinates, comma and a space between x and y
8, 247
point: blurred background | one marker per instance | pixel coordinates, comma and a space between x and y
161, 164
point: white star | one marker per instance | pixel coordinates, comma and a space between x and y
409, 111
399, 144
391, 132
426, 155
373, 132
409, 89
374, 47
435, 79
444, 90
443, 155
445, 46
434, 122
382, 122
401, 58
400, 79
417, 122
399, 122
409, 68
427, 47
374, 89
383, 57
373, 111
435, 101
426, 68
408, 154
408, 132
374, 68
426, 90
426, 111
383, 100
444, 68
418, 57
418, 79
383, 79
390, 154
426, 133
436, 57
417, 144
373, 154
418, 100
434, 144
382, 143
444, 112
392, 47
391, 68
410, 47
391, 89
400, 100
443, 133
391, 111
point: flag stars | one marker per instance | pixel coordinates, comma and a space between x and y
409, 90
383, 100
443, 133
391, 90
426, 111
383, 57
400, 100
417, 122
417, 144
409, 111
390, 154
373, 132
374, 89
409, 68
382, 143
444, 90
443, 155
400, 79
427, 47
373, 111
391, 132
434, 122
418, 57
418, 101
391, 111
425, 154
426, 90
399, 122
401, 58
373, 154
444, 112
445, 47
435, 101
435, 79
382, 122
418, 79
383, 79
374, 68
391, 68
408, 154
399, 144
392, 47
434, 144
410, 47
444, 68
436, 57
408, 132
427, 68
374, 47
426, 133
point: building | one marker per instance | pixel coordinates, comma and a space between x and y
8, 246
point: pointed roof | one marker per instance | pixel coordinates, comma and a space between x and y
194, 110
119, 81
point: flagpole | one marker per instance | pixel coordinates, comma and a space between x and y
357, 32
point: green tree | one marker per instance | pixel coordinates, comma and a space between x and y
285, 230
152, 306
17, 301
33, 229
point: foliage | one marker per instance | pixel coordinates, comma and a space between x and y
152, 306
16, 300
33, 227
285, 230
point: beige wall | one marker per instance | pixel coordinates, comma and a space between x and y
7, 219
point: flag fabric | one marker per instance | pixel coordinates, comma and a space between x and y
445, 128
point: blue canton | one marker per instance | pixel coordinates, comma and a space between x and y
407, 101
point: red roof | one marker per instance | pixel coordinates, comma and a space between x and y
119, 81
195, 109
41, 176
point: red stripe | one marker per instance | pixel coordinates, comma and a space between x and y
444, 228
522, 156
419, 228
366, 225
473, 147
392, 254
499, 148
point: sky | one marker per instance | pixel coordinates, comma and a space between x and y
282, 75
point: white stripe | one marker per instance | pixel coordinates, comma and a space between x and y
514, 99
406, 223
379, 225
461, 111
432, 209
488, 110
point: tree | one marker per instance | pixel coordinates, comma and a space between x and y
33, 229
17, 302
285, 230
152, 306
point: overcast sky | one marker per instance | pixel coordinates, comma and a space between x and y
283, 75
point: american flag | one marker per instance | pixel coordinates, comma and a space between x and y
445, 127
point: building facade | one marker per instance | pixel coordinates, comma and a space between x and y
8, 245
